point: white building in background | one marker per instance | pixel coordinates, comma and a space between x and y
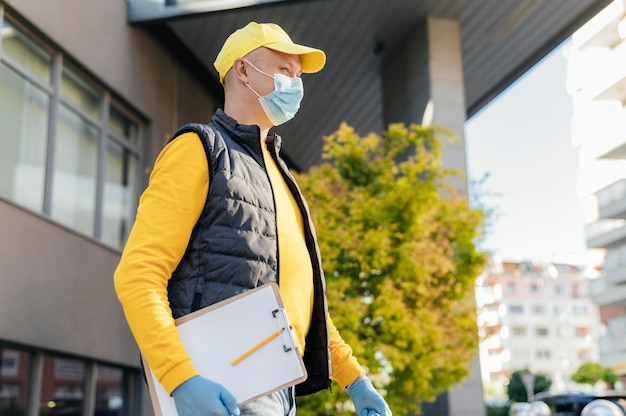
537, 317
597, 82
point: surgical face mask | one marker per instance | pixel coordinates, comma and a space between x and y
282, 104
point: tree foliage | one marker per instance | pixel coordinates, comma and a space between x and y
516, 389
591, 373
398, 246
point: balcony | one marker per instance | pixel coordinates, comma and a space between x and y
611, 355
615, 266
617, 334
614, 297
616, 276
605, 294
603, 30
612, 200
617, 152
601, 132
613, 87
616, 90
606, 233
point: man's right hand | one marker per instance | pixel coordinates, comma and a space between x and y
200, 396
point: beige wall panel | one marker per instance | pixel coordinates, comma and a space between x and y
56, 290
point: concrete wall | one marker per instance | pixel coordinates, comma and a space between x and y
57, 292
447, 89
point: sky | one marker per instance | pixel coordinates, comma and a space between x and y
521, 145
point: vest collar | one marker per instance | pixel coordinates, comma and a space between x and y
245, 133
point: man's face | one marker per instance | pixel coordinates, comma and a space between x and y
272, 62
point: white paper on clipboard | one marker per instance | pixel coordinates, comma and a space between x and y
218, 334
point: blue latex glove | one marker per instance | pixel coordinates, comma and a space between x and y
367, 400
199, 396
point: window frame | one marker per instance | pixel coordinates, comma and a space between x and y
131, 379
108, 100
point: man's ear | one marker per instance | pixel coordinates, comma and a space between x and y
239, 70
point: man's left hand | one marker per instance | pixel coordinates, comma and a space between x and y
367, 400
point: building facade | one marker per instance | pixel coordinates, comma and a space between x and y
86, 102
597, 82
538, 317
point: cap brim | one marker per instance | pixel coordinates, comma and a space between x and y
311, 59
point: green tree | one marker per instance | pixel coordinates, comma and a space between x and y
517, 391
591, 373
398, 244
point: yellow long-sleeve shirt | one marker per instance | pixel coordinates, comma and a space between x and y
168, 210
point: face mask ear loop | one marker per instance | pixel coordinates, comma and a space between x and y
255, 93
257, 69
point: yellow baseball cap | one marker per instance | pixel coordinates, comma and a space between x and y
254, 35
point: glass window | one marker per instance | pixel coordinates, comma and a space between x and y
65, 153
123, 126
520, 355
74, 173
120, 194
516, 309
543, 354
76, 90
519, 331
24, 119
14, 372
511, 288
21, 49
541, 331
584, 355
62, 389
539, 309
559, 310
109, 391
581, 332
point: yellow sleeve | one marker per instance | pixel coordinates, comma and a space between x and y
168, 210
345, 366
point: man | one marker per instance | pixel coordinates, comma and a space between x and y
222, 215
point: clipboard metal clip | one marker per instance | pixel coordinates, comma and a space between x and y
285, 324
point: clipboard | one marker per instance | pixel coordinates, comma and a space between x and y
244, 343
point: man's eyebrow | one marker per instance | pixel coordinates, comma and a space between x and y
291, 64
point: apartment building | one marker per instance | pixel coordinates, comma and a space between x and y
538, 317
597, 82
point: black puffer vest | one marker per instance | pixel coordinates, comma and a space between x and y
234, 245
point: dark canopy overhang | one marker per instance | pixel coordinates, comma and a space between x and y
501, 40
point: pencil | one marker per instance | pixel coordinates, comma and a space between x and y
256, 347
